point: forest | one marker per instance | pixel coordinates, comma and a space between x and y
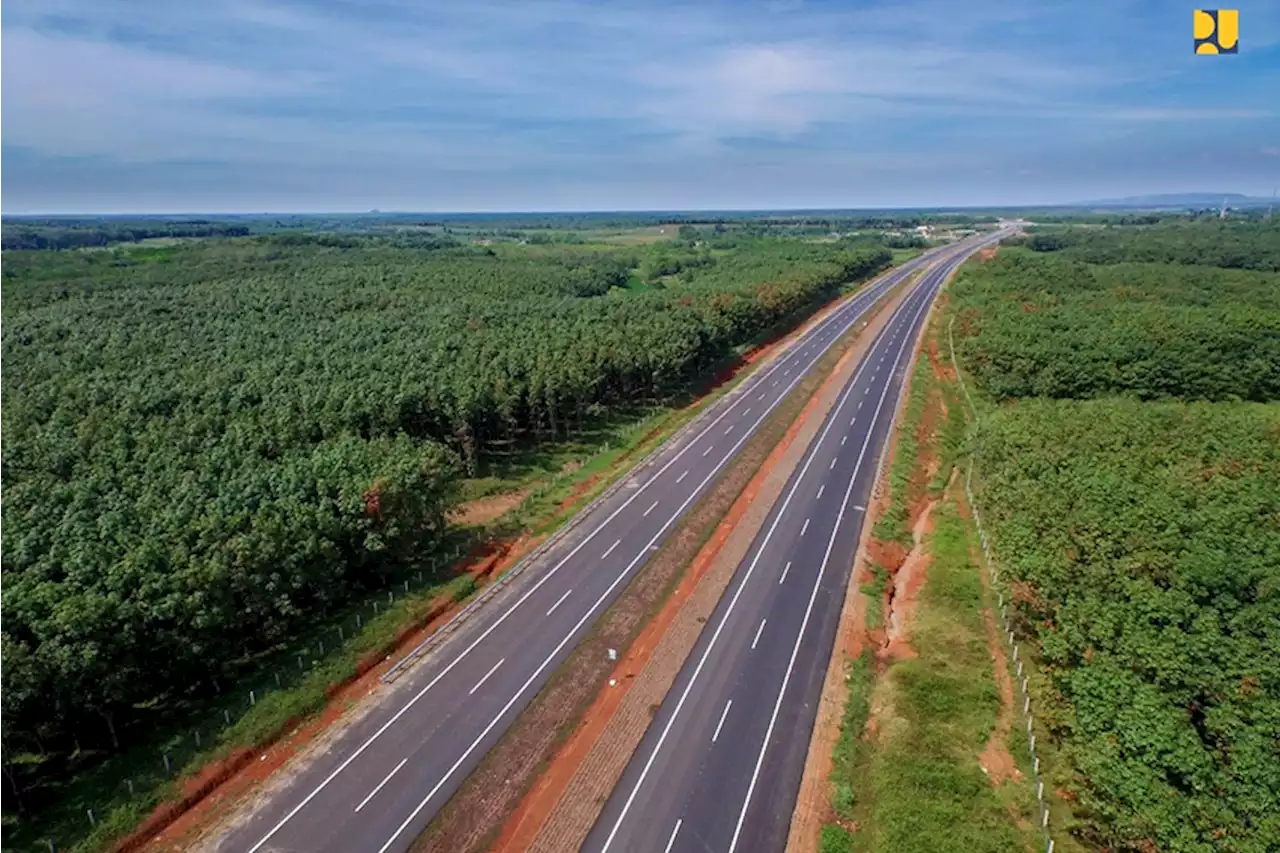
1130, 472
209, 444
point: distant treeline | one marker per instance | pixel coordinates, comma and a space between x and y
65, 234
1230, 245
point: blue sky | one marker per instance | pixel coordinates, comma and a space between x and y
249, 105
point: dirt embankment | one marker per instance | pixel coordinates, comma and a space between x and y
561, 808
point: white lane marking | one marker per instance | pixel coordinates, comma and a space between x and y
746, 411
720, 724
672, 840
860, 508
868, 391
820, 491
559, 601
393, 772
651, 508
843, 439
785, 569
729, 429
859, 407
832, 466
486, 677
733, 602
755, 775
680, 479
830, 323
611, 547
761, 397
852, 421
710, 447
759, 631
806, 527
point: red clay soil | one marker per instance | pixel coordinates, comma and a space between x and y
904, 592
522, 827
484, 510
988, 253
219, 787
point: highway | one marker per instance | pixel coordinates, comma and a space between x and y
380, 782
720, 766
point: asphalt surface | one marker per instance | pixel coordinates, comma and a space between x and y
381, 781
720, 766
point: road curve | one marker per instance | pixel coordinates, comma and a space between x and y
720, 766
379, 783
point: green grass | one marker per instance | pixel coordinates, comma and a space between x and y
892, 525
915, 784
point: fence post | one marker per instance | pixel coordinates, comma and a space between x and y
168, 766
277, 679
93, 821
253, 700
196, 732
226, 716
129, 783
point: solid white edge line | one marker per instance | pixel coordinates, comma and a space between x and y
759, 631
715, 636
833, 320
393, 772
486, 677
672, 840
715, 736
755, 775
559, 601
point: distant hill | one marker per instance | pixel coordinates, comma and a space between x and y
1163, 200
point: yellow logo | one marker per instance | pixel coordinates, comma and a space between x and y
1217, 30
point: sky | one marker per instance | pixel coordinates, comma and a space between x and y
478, 105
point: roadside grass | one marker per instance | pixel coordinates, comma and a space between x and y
892, 524
915, 783
195, 732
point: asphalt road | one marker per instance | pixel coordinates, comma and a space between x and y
720, 766
380, 782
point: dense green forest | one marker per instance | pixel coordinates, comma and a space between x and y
1142, 534
208, 444
1232, 245
77, 234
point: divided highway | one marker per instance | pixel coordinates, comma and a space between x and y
720, 766
380, 782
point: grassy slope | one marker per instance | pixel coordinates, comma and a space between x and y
915, 783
